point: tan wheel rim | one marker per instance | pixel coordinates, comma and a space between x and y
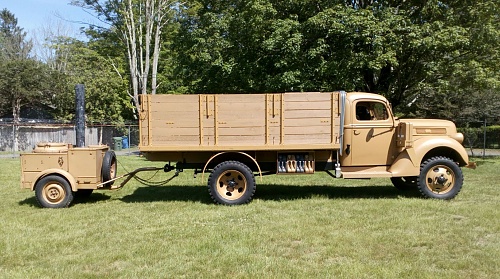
112, 171
231, 185
440, 179
53, 193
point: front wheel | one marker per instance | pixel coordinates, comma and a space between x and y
440, 178
53, 191
231, 183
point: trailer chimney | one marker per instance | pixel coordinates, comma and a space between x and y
80, 115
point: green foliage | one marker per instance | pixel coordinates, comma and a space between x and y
479, 137
106, 98
430, 58
23, 83
13, 41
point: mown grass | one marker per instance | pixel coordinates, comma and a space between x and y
296, 227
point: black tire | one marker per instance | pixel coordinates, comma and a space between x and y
83, 193
405, 183
231, 183
109, 167
440, 178
53, 191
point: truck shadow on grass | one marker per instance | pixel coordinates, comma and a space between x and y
94, 198
269, 193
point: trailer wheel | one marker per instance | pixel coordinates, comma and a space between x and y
231, 183
53, 191
405, 183
109, 167
440, 178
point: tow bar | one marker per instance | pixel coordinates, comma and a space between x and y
132, 174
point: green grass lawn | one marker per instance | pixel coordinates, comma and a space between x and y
296, 227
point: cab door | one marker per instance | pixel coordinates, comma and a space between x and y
372, 134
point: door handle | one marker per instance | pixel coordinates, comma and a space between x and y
356, 132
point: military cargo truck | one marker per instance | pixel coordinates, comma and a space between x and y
349, 135
235, 137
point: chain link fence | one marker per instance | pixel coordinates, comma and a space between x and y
24, 136
481, 137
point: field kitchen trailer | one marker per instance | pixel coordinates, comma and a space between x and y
235, 137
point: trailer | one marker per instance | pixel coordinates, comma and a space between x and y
236, 137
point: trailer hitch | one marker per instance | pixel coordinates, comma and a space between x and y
131, 175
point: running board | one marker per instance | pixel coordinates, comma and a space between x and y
365, 172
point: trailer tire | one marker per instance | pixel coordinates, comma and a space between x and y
53, 191
405, 183
109, 167
440, 178
231, 183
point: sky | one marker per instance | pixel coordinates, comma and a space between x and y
32, 14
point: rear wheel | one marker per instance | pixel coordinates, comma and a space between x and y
53, 191
231, 183
440, 178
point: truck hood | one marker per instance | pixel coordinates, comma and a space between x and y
434, 127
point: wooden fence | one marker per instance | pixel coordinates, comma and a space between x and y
29, 134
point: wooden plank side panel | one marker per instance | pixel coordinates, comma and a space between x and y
170, 98
241, 98
307, 118
308, 97
308, 105
308, 139
143, 129
294, 114
162, 108
175, 120
242, 140
182, 140
240, 120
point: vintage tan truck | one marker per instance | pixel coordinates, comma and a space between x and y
350, 135
238, 136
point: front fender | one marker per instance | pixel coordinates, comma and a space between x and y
436, 146
441, 146
408, 161
60, 172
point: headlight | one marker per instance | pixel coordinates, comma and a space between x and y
458, 137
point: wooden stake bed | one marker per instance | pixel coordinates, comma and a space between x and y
287, 121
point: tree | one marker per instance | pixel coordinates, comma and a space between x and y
24, 82
139, 25
13, 42
424, 56
106, 90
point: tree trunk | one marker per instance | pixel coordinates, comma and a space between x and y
16, 111
138, 34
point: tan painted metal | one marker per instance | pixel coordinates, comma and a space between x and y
355, 133
81, 167
220, 153
195, 128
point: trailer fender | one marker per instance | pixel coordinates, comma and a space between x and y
220, 153
63, 173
